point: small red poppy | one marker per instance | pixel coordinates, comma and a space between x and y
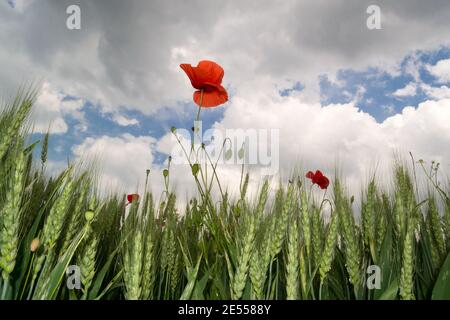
132, 197
206, 77
318, 178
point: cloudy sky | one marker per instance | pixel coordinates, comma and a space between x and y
339, 93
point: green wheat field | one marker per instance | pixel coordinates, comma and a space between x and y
290, 246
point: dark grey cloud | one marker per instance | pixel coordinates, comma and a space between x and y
127, 52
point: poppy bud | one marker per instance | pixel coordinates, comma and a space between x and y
173, 129
241, 153
195, 168
89, 215
35, 244
228, 154
165, 173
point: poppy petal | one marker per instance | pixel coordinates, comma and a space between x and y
310, 175
318, 174
206, 72
212, 97
190, 72
209, 71
132, 197
324, 182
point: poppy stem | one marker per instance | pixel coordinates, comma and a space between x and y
196, 125
200, 106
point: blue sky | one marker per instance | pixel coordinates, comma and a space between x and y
378, 86
97, 124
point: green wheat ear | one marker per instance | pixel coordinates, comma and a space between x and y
437, 232
244, 256
350, 236
132, 260
11, 215
330, 244
306, 222
318, 236
407, 270
14, 117
44, 149
292, 267
447, 222
87, 263
257, 274
55, 220
148, 278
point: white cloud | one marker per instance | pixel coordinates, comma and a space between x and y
50, 109
412, 67
122, 161
312, 137
318, 136
407, 91
124, 121
54, 168
438, 93
441, 70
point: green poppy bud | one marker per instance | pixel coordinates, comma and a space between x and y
89, 215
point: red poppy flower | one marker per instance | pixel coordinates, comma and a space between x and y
132, 197
318, 178
207, 77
